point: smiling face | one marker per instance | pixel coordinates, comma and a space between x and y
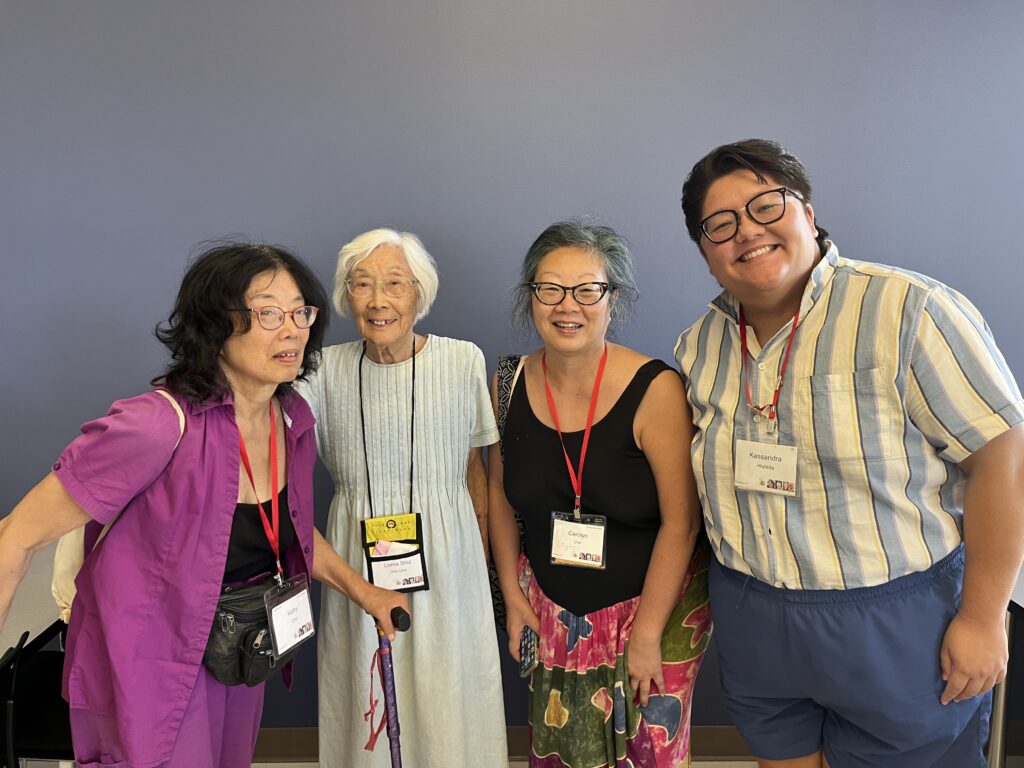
766, 265
258, 358
569, 327
386, 322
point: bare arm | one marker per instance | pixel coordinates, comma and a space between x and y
505, 546
332, 570
664, 432
45, 514
974, 650
476, 480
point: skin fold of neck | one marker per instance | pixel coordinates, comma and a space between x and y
392, 353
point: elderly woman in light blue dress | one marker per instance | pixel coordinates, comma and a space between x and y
402, 418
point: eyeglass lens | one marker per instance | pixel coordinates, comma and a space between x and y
395, 287
585, 293
764, 208
272, 318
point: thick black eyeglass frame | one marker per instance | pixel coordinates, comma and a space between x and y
736, 214
566, 289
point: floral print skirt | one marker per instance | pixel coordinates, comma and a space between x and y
581, 713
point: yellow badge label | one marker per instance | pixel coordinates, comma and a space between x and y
390, 528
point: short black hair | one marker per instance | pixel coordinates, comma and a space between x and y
206, 313
761, 156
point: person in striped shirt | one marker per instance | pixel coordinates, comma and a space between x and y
860, 459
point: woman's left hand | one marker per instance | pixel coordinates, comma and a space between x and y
643, 662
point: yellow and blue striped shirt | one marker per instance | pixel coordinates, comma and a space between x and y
893, 379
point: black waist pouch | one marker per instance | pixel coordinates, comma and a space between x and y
240, 649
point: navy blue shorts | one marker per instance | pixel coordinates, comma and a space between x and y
854, 672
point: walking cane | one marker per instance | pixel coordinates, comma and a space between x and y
387, 678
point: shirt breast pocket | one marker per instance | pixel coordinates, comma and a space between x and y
853, 416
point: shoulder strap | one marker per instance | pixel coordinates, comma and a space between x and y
509, 368
181, 431
70, 552
177, 408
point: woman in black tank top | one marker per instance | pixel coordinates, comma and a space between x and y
594, 461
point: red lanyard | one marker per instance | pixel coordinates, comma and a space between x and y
272, 529
577, 479
766, 410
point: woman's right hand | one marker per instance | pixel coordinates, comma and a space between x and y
518, 614
380, 602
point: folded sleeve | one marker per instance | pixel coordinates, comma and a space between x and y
961, 391
485, 429
119, 455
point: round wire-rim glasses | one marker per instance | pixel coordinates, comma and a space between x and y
272, 318
584, 294
764, 208
395, 287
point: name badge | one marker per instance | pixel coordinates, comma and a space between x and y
579, 542
766, 467
393, 547
289, 614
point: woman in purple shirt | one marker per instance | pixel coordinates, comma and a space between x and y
188, 517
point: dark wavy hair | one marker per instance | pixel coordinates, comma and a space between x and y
761, 156
211, 307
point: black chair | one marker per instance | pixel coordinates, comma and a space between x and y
36, 721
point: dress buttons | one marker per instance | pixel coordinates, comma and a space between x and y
778, 584
56, 466
295, 513
306, 550
759, 531
760, 366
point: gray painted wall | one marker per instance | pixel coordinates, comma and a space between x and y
131, 130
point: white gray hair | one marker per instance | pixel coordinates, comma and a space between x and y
421, 264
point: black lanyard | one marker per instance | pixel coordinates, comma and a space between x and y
412, 426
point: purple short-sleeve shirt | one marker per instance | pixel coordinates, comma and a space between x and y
147, 594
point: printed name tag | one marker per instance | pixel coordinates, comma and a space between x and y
766, 467
290, 614
578, 542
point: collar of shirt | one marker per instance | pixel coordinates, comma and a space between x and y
728, 305
302, 420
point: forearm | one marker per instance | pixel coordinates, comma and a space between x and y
993, 526
45, 514
505, 545
331, 569
14, 563
993, 530
670, 560
476, 481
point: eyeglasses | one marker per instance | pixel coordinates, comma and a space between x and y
272, 318
585, 294
765, 208
395, 287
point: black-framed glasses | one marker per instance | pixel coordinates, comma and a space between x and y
272, 318
585, 294
395, 287
765, 208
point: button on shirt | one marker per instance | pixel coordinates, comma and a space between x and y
147, 594
893, 380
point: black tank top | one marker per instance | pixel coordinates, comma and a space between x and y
617, 483
249, 552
